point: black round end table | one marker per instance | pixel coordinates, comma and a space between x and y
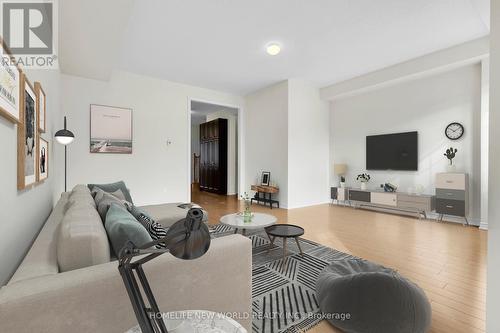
284, 231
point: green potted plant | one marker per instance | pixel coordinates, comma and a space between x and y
363, 178
450, 155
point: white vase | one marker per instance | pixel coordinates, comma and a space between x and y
363, 186
451, 168
342, 184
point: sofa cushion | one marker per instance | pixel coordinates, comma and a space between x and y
121, 227
82, 239
112, 188
104, 200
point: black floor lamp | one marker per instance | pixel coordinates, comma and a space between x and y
187, 239
65, 137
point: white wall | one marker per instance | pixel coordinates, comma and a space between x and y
426, 105
155, 172
22, 213
232, 143
266, 137
308, 145
493, 286
195, 146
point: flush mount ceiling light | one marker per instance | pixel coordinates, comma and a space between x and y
273, 49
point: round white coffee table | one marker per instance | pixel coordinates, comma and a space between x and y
197, 321
259, 221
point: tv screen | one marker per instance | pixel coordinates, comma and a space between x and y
397, 151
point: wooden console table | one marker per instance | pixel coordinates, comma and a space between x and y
269, 190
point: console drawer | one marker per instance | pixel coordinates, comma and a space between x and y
450, 207
387, 199
451, 181
442, 193
359, 196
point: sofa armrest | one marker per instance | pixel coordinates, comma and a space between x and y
94, 299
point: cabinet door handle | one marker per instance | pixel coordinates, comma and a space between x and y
448, 206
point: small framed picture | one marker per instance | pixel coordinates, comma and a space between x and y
266, 178
27, 138
11, 87
41, 106
43, 160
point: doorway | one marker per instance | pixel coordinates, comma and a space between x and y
214, 156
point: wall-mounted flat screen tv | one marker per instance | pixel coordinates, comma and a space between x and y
398, 151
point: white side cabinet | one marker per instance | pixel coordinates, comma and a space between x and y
452, 195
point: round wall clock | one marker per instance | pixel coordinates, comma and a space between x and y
454, 131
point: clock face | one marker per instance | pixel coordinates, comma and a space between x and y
454, 131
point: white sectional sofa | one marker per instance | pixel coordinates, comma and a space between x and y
89, 295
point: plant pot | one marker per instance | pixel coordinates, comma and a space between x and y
342, 184
451, 168
363, 186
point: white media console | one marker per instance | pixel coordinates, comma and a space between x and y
418, 204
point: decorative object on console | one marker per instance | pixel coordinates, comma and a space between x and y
363, 179
43, 160
27, 138
340, 170
65, 137
452, 193
454, 131
110, 129
11, 87
451, 154
41, 106
266, 178
187, 239
388, 187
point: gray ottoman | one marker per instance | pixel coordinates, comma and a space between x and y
359, 296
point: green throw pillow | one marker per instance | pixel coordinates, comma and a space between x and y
112, 188
121, 227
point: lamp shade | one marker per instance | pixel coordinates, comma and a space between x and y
64, 136
340, 169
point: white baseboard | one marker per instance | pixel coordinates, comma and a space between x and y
483, 225
308, 204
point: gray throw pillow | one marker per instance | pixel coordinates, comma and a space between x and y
122, 227
112, 188
103, 202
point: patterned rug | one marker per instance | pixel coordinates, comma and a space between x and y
283, 294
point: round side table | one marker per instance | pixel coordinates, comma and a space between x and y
200, 321
259, 221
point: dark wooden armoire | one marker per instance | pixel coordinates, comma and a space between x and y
213, 156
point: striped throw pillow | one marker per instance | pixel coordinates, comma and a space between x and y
155, 229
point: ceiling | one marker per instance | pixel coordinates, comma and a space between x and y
220, 44
200, 110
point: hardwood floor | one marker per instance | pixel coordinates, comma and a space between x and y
447, 260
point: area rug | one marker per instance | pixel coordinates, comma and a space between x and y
283, 294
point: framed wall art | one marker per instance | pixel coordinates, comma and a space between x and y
266, 178
43, 159
41, 107
110, 129
27, 138
10, 86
